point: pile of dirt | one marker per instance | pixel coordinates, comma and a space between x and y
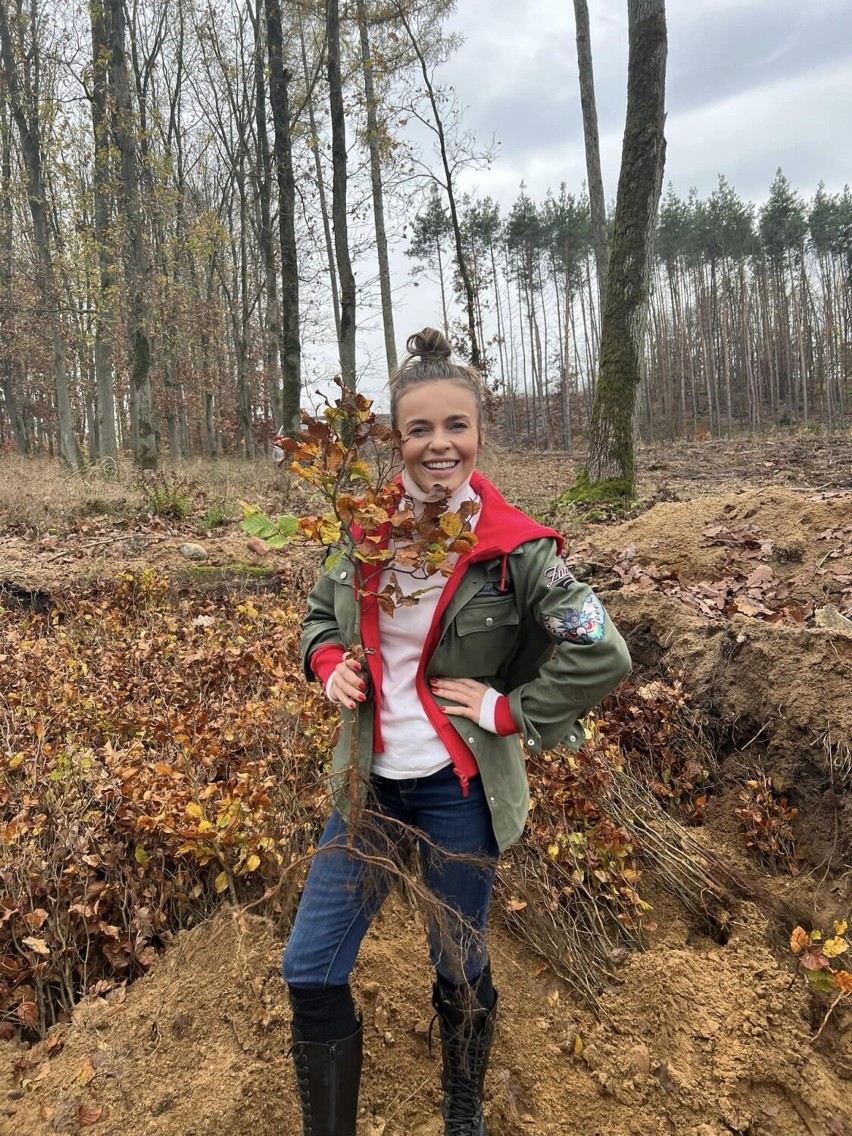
697, 1040
673, 535
777, 693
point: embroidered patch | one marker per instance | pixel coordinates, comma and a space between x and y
492, 588
584, 626
559, 576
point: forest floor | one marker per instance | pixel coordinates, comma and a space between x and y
734, 573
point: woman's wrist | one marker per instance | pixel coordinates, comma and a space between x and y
324, 661
495, 714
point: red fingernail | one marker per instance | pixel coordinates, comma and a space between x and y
351, 705
362, 697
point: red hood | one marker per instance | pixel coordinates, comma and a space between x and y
501, 528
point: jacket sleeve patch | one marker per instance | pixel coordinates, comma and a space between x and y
558, 575
583, 626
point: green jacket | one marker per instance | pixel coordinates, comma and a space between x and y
511, 616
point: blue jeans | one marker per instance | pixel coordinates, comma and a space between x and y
347, 885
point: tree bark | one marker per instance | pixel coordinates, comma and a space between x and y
29, 130
104, 389
266, 232
378, 191
291, 341
338, 196
124, 134
611, 441
597, 201
11, 367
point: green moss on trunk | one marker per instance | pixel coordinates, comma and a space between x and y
609, 491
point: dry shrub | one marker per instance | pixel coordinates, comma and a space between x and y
157, 752
601, 818
767, 820
162, 750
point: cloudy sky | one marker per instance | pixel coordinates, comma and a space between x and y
752, 85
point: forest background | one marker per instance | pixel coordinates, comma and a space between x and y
205, 212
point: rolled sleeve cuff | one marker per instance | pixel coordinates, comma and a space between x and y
323, 662
495, 714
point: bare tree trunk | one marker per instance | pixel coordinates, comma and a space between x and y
315, 148
440, 258
611, 442
11, 367
378, 192
29, 130
338, 196
104, 316
291, 342
597, 201
266, 239
124, 134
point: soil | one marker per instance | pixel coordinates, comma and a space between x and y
696, 1037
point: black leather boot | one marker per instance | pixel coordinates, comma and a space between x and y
466, 1035
328, 1077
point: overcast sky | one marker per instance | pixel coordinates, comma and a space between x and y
751, 85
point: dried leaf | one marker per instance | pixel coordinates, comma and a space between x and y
89, 1113
38, 945
800, 940
86, 1073
27, 1012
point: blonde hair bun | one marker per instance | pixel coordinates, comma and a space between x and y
428, 345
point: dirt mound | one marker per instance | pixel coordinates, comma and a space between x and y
695, 1040
673, 535
776, 687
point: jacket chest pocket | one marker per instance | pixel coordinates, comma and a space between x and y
494, 620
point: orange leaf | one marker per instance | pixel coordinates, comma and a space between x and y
800, 940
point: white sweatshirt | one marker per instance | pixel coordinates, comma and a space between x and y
412, 748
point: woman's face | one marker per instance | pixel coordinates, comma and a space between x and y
438, 434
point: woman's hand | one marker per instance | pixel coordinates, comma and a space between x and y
466, 693
346, 684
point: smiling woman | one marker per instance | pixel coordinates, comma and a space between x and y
439, 437
492, 661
